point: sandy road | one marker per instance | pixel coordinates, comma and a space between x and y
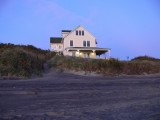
63, 96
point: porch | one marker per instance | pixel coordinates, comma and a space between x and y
88, 52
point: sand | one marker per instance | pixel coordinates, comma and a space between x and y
66, 96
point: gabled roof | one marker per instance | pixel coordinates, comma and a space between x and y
75, 29
66, 30
55, 40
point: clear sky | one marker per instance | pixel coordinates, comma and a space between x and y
129, 27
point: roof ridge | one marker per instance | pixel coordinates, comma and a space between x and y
66, 30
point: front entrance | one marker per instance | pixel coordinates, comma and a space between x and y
86, 55
73, 54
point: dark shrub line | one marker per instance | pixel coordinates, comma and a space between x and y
21, 60
108, 67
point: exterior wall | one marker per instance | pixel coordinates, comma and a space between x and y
78, 40
64, 34
93, 55
57, 47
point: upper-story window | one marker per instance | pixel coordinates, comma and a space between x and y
76, 32
88, 43
79, 32
71, 43
84, 43
82, 32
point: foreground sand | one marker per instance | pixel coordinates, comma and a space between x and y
64, 96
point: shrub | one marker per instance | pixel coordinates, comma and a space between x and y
19, 63
141, 58
110, 67
21, 60
76, 63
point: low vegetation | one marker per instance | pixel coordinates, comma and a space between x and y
145, 58
21, 60
24, 61
137, 66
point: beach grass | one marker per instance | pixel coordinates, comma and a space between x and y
138, 66
21, 60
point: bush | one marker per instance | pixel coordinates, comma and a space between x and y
21, 60
19, 63
76, 63
108, 67
142, 58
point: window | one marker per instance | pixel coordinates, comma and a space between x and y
88, 43
73, 54
71, 43
84, 43
79, 32
76, 32
59, 47
86, 55
82, 32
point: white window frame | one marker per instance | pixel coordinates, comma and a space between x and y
86, 43
70, 43
83, 43
89, 43
76, 32
79, 31
82, 32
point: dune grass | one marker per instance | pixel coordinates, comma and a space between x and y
21, 60
107, 67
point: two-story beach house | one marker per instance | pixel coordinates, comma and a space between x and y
78, 42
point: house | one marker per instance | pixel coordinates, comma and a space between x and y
78, 42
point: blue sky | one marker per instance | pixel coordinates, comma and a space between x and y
129, 27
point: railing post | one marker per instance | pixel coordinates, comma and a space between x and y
109, 54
